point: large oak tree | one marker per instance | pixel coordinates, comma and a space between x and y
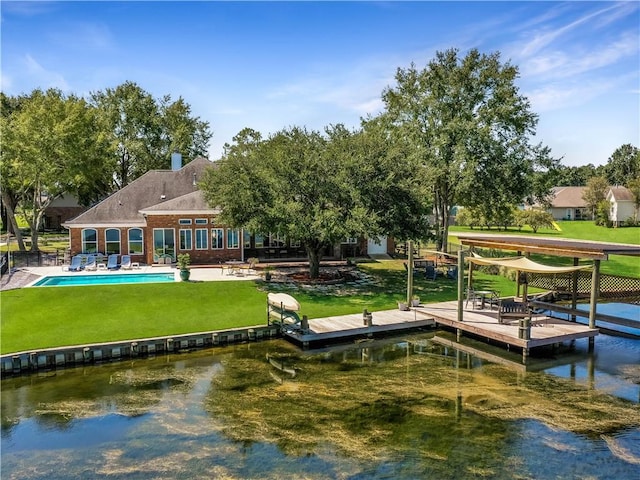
470, 129
143, 132
317, 188
50, 146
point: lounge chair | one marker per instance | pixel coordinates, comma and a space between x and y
92, 263
76, 264
112, 263
125, 263
430, 272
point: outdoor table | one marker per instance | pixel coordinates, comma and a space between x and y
483, 294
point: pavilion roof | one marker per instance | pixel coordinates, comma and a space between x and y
556, 246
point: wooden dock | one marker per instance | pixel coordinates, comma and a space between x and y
482, 323
323, 331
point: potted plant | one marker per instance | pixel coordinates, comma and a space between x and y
267, 273
415, 301
402, 305
184, 260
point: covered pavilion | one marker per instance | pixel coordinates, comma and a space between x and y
561, 247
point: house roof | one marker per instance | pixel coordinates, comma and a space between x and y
154, 188
568, 197
191, 202
620, 194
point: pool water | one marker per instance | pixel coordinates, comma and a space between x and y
108, 279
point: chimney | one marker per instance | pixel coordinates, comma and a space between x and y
176, 161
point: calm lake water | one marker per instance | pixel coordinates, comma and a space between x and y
403, 408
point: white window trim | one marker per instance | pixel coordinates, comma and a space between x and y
185, 221
82, 241
119, 240
216, 247
141, 240
237, 235
190, 247
206, 239
201, 221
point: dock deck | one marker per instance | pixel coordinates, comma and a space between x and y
346, 327
482, 323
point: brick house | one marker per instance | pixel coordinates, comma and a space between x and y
163, 214
159, 215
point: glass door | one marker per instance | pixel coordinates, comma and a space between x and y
164, 245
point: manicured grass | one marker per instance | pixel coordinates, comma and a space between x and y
35, 318
57, 316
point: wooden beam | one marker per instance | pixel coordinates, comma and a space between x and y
545, 250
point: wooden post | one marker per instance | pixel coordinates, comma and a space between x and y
593, 301
461, 281
574, 288
470, 278
409, 272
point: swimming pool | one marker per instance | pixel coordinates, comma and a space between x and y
108, 279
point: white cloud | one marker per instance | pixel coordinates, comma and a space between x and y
6, 82
42, 77
85, 36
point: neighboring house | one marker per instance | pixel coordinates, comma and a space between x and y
622, 205
567, 204
163, 214
60, 210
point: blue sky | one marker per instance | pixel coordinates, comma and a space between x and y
269, 65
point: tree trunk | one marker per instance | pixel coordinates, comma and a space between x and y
9, 205
314, 261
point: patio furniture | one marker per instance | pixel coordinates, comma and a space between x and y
510, 310
125, 263
430, 272
91, 263
76, 264
112, 263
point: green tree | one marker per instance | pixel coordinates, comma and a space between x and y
315, 188
634, 187
51, 146
575, 176
623, 165
8, 194
536, 219
595, 192
143, 132
469, 126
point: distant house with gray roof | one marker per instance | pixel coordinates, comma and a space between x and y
567, 204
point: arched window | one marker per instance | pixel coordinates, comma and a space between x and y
89, 240
135, 241
112, 241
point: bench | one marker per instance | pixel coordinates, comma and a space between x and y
510, 310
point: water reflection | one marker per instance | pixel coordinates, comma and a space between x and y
415, 407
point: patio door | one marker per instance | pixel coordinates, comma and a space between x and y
164, 243
377, 246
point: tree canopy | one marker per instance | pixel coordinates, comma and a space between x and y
51, 145
317, 188
469, 128
143, 132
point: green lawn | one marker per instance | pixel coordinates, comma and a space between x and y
35, 318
